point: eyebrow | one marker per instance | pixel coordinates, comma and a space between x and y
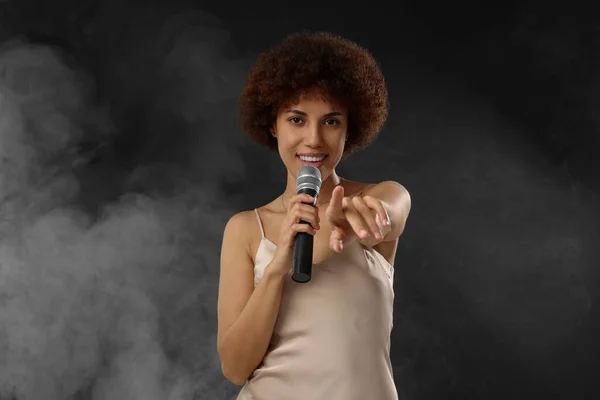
331, 114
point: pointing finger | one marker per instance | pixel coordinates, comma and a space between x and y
335, 204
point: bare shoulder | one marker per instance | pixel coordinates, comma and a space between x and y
237, 230
353, 188
238, 222
245, 228
386, 185
389, 190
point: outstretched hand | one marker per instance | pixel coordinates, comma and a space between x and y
354, 217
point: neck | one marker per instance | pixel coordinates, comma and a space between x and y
327, 187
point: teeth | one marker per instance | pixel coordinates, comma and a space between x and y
312, 159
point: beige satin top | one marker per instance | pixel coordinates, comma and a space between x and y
332, 336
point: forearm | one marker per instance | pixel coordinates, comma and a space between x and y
245, 343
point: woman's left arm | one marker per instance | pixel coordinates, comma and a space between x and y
396, 201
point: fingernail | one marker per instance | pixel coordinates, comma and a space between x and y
364, 233
386, 222
378, 235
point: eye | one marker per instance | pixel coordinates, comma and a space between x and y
333, 120
295, 118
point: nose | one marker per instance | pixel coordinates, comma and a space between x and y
314, 136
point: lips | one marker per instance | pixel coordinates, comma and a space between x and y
317, 164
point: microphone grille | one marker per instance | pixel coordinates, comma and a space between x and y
308, 177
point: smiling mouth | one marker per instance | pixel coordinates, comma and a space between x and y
312, 159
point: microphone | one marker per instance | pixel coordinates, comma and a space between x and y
308, 181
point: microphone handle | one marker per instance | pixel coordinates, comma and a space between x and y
303, 248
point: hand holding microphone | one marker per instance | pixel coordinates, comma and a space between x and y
295, 245
308, 181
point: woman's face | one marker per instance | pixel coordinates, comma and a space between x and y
311, 132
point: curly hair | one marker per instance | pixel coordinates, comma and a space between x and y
338, 68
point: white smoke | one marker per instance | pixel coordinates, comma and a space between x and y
120, 305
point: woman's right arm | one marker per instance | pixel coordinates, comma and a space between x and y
246, 315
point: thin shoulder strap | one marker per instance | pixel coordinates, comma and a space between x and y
262, 232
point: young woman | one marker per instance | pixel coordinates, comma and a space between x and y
315, 98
